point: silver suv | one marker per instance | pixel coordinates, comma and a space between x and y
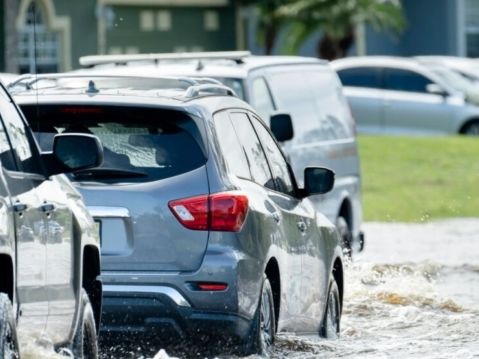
49, 245
205, 233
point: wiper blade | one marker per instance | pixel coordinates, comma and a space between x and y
107, 173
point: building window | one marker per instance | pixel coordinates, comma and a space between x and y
38, 47
472, 28
147, 21
163, 20
211, 20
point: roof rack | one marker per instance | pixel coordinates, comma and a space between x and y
193, 87
93, 60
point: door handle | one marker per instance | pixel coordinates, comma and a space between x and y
19, 207
275, 216
47, 207
302, 226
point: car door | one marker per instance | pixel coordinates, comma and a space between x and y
362, 88
301, 230
409, 108
21, 172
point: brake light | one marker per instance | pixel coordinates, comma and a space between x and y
214, 287
225, 211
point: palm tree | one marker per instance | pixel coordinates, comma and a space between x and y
337, 20
270, 22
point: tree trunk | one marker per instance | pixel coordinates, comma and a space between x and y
270, 32
11, 35
330, 48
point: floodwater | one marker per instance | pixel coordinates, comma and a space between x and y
412, 293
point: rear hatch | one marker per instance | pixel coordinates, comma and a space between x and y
151, 157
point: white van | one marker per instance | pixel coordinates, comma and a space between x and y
307, 89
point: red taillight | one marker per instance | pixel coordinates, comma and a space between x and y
224, 211
214, 287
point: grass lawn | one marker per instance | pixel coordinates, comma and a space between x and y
415, 179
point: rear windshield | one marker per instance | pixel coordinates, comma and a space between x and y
139, 144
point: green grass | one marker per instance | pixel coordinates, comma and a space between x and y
416, 179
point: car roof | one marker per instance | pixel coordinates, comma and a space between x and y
191, 66
174, 93
384, 61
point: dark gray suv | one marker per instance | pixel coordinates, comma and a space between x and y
204, 231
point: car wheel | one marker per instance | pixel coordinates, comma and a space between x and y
472, 129
8, 333
345, 235
85, 344
332, 315
263, 328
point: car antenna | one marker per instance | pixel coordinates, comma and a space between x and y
200, 66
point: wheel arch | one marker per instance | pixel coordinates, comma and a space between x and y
346, 211
465, 124
273, 275
7, 276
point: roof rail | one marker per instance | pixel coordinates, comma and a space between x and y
196, 90
92, 60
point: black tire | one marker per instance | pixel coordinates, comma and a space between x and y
471, 129
8, 332
345, 235
85, 342
332, 315
263, 329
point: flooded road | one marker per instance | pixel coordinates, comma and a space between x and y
412, 293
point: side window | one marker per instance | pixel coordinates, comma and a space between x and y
24, 148
279, 167
404, 80
261, 98
254, 152
361, 77
232, 151
6, 156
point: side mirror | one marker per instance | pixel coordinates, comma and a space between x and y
435, 89
282, 126
318, 180
72, 152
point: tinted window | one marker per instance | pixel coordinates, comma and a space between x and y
361, 77
261, 98
231, 149
279, 167
6, 156
155, 144
24, 148
404, 80
252, 147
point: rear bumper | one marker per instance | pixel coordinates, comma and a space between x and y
165, 314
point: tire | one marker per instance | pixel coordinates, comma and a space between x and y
345, 235
471, 129
263, 329
8, 334
332, 316
85, 342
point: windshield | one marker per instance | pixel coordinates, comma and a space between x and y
139, 144
455, 79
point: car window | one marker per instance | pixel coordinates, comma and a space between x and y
24, 147
404, 80
155, 144
231, 149
6, 156
254, 152
361, 77
279, 167
261, 98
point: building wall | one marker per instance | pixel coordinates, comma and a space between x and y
187, 32
432, 29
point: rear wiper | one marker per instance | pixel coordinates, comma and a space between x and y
107, 173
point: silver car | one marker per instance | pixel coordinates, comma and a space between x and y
205, 233
402, 96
